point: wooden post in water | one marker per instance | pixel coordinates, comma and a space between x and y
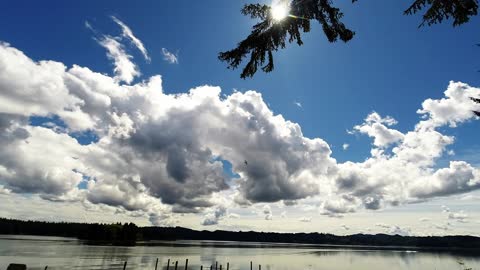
46, 267
220, 267
125, 265
251, 265
228, 265
168, 264
211, 266
176, 264
216, 265
201, 267
259, 267
156, 264
186, 264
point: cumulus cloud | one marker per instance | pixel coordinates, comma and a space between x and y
170, 57
213, 216
159, 153
394, 229
267, 212
127, 33
378, 128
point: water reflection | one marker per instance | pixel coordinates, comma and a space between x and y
64, 253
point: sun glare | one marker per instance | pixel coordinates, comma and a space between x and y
279, 12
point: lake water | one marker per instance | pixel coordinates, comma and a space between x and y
67, 253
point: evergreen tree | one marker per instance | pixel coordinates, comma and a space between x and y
271, 34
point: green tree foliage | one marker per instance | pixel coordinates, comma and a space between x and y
269, 35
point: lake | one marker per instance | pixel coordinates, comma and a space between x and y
68, 253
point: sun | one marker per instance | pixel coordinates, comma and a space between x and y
279, 11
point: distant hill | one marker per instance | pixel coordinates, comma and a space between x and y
129, 234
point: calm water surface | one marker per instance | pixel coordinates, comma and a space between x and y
67, 253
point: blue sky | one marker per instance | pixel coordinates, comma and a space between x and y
390, 67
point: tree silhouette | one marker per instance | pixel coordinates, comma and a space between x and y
477, 100
270, 35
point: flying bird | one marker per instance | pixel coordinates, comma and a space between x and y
246, 163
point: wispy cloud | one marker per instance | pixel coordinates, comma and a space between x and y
127, 33
169, 56
125, 70
298, 104
345, 146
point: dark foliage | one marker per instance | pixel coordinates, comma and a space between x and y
127, 234
118, 234
438, 10
477, 100
269, 35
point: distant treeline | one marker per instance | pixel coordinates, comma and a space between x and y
121, 234
129, 233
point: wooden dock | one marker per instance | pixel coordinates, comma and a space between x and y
217, 266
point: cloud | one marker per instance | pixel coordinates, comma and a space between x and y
345, 227
394, 229
213, 216
267, 212
158, 154
298, 104
169, 56
125, 70
345, 146
377, 127
127, 33
305, 219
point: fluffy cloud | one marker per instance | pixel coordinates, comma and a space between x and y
213, 216
377, 127
157, 153
394, 229
267, 212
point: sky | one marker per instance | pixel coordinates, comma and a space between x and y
119, 111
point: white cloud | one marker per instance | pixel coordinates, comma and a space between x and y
125, 70
267, 212
213, 216
394, 229
127, 33
377, 127
298, 104
157, 153
305, 219
169, 56
345, 146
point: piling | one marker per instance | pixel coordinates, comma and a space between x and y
176, 264
216, 265
251, 265
186, 264
168, 264
228, 265
156, 264
125, 265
